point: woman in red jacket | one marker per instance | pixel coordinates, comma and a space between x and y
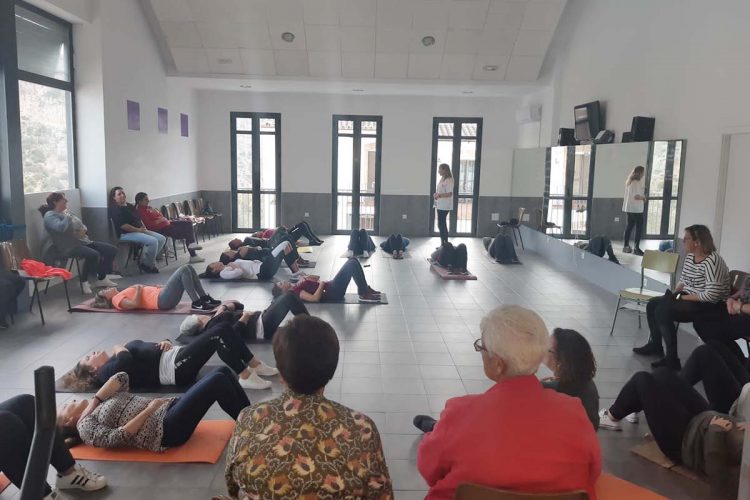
175, 229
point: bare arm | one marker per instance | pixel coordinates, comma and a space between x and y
134, 303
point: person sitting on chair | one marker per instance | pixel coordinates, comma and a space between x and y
313, 289
395, 245
177, 229
360, 243
450, 257
730, 325
129, 227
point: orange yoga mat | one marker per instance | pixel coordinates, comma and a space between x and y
206, 446
4, 482
609, 487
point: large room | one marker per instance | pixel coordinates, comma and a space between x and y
470, 249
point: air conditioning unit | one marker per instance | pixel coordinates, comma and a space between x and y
529, 114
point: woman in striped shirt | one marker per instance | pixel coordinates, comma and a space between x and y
700, 295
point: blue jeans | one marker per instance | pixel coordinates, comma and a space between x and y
152, 242
395, 242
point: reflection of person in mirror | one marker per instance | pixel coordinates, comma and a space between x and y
444, 200
632, 205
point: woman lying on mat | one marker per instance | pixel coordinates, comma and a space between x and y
684, 427
158, 298
151, 364
300, 230
247, 325
360, 243
254, 263
395, 245
114, 418
313, 289
17, 420
450, 257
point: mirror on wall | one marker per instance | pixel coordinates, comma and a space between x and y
575, 193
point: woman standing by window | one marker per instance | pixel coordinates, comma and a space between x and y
632, 205
444, 200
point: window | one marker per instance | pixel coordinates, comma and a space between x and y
458, 142
567, 189
663, 188
46, 100
356, 172
256, 170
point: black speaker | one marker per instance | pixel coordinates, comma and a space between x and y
642, 128
627, 137
566, 137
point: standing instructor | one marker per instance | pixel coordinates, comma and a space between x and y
444, 200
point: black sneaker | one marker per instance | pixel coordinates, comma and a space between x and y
207, 299
201, 307
627, 249
649, 349
149, 269
637, 251
424, 423
672, 364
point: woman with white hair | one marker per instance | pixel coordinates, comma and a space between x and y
517, 434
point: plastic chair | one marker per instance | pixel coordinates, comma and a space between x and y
665, 262
515, 227
471, 491
12, 253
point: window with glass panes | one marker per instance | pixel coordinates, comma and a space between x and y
663, 188
569, 177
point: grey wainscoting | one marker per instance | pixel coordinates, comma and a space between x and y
317, 206
604, 211
416, 208
221, 203
489, 205
533, 206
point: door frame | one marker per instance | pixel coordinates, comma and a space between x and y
568, 197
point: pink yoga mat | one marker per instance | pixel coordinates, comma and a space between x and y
446, 274
182, 308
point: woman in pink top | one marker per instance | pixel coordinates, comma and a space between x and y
158, 298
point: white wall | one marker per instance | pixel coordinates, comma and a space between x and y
682, 61
735, 238
306, 137
528, 172
614, 162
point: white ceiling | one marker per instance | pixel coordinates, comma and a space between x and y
359, 40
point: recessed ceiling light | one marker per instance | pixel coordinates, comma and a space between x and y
358, 90
287, 36
224, 60
246, 86
489, 67
467, 91
428, 40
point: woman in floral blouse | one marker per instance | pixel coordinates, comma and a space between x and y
114, 418
302, 445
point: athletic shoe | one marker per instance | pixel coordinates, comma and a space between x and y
633, 418
349, 254
649, 349
149, 269
105, 283
255, 382
207, 299
201, 307
194, 259
194, 246
365, 254
86, 288
424, 423
302, 262
395, 254
400, 254
81, 479
637, 251
265, 370
373, 291
298, 274
627, 249
606, 422
738, 407
369, 297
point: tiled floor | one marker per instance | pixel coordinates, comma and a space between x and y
397, 360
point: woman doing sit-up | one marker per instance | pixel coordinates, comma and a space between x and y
313, 289
114, 418
254, 262
159, 298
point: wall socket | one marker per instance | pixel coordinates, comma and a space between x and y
525, 218
495, 217
617, 219
403, 216
307, 214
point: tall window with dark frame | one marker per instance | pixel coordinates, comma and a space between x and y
356, 172
568, 187
663, 188
46, 99
256, 170
458, 143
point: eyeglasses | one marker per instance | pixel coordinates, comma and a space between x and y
479, 345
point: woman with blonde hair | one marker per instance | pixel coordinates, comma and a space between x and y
633, 206
444, 200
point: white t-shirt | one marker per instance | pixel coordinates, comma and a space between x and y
167, 366
246, 269
445, 186
629, 203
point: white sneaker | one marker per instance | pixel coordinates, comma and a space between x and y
349, 254
81, 479
195, 246
738, 407
265, 370
196, 258
254, 382
86, 288
365, 254
633, 418
606, 422
56, 495
105, 283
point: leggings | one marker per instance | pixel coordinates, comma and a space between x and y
360, 242
726, 329
220, 339
96, 255
662, 312
442, 216
11, 286
184, 279
395, 242
337, 286
180, 230
303, 229
182, 417
277, 311
17, 419
272, 260
635, 220
721, 372
669, 403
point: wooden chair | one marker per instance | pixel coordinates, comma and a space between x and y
471, 491
515, 227
12, 253
665, 262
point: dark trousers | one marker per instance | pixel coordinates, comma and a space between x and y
255, 242
351, 270
360, 242
277, 311
668, 402
270, 264
662, 313
395, 242
726, 329
96, 255
635, 220
16, 430
11, 286
721, 372
180, 230
219, 386
442, 222
220, 339
303, 229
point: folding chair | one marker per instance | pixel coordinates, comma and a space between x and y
134, 249
69, 266
179, 211
165, 212
193, 210
665, 262
515, 227
218, 217
471, 491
